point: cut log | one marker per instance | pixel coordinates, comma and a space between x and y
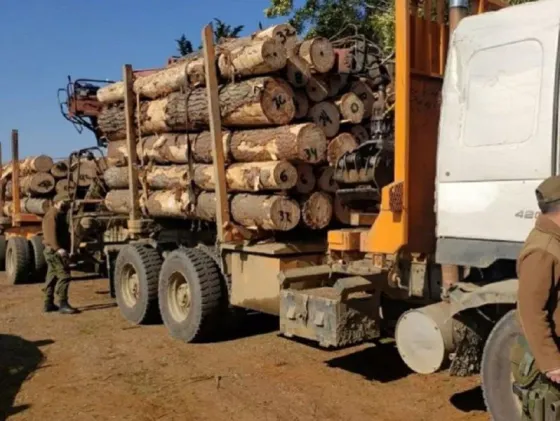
167, 177
275, 213
255, 102
325, 181
341, 144
117, 153
305, 179
283, 33
38, 184
318, 53
351, 107
62, 186
316, 210
247, 177
116, 178
301, 142
336, 82
301, 102
84, 175
258, 57
297, 71
359, 132
29, 205
365, 93
326, 115
317, 88
113, 92
341, 212
60, 169
160, 204
41, 163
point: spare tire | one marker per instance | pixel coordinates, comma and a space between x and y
497, 380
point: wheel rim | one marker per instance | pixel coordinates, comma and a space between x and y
179, 296
9, 261
130, 286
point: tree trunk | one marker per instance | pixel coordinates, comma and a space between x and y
84, 175
117, 153
305, 179
116, 178
251, 103
341, 212
297, 71
365, 93
257, 57
167, 177
317, 88
275, 213
301, 142
350, 107
359, 132
327, 117
301, 102
336, 83
325, 181
113, 92
248, 177
284, 33
60, 169
318, 53
341, 144
38, 184
29, 205
316, 210
61, 186
41, 163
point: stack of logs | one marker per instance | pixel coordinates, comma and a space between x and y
287, 117
42, 180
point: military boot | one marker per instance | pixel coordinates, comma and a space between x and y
66, 308
50, 306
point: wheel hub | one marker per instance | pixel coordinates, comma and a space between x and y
179, 296
130, 286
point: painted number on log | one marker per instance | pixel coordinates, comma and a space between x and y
527, 214
324, 118
285, 216
279, 101
311, 154
283, 35
283, 176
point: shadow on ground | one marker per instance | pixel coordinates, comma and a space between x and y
245, 325
19, 358
469, 400
380, 362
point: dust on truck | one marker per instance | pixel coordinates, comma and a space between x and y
475, 132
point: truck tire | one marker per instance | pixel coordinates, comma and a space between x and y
136, 283
3, 245
191, 295
18, 261
495, 370
39, 262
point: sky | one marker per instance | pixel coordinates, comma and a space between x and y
42, 42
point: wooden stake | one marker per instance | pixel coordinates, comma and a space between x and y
222, 214
129, 102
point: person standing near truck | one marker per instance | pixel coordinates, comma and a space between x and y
56, 238
535, 357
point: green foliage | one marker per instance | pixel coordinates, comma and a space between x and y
223, 30
184, 46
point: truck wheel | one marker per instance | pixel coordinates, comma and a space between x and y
191, 295
497, 380
18, 261
136, 283
40, 264
3, 245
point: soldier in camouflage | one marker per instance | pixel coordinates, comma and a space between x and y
536, 356
56, 238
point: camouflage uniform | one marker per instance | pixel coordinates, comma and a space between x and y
58, 276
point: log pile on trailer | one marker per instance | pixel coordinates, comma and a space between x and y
288, 116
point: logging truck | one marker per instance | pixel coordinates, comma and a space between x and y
439, 207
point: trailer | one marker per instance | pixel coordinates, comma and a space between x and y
435, 265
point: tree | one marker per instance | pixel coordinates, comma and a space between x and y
184, 46
223, 30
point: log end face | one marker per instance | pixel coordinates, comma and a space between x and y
306, 180
285, 175
277, 103
352, 108
326, 116
317, 211
285, 214
321, 54
301, 103
312, 143
317, 89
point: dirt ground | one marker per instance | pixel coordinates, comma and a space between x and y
96, 366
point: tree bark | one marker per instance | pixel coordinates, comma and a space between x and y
257, 57
317, 88
251, 103
38, 184
350, 107
318, 53
111, 93
326, 115
41, 163
365, 93
341, 144
325, 181
87, 173
248, 177
305, 179
297, 71
60, 169
284, 33
316, 210
301, 102
301, 142
272, 212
